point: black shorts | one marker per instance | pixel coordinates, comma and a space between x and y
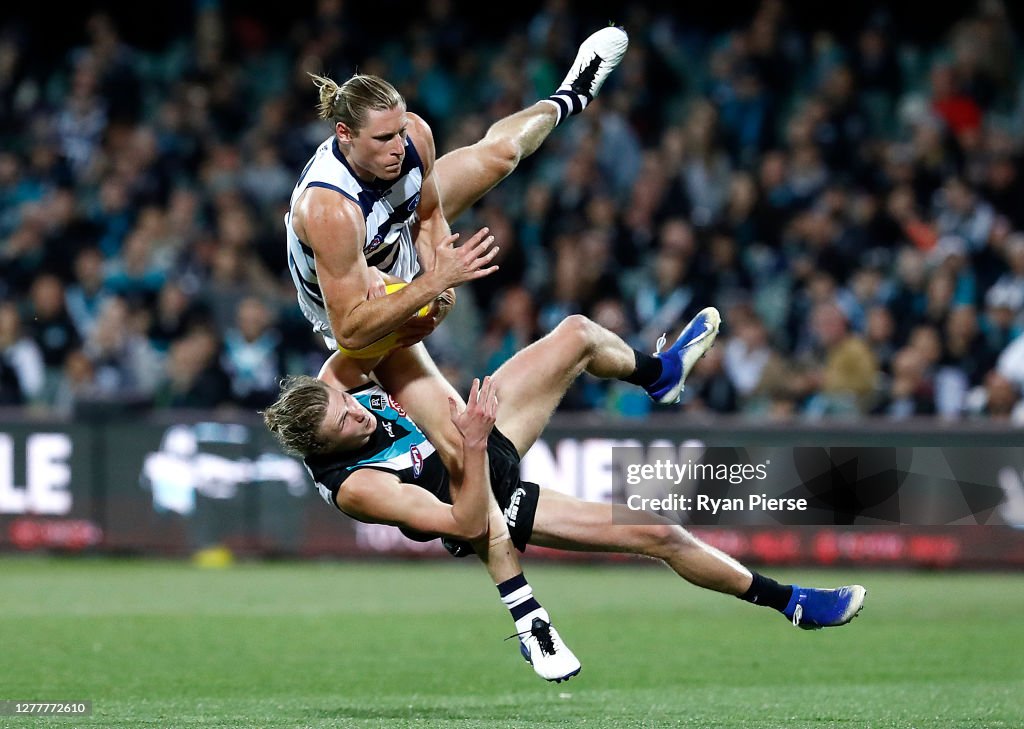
516, 498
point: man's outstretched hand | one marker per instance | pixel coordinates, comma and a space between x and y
476, 421
454, 266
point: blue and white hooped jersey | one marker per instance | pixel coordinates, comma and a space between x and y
397, 446
389, 209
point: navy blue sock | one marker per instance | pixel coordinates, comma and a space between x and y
518, 597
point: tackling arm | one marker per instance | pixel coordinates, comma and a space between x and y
334, 229
382, 498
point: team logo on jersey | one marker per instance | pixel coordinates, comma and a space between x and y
413, 202
377, 402
396, 406
512, 511
375, 243
417, 461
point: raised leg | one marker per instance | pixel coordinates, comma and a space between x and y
466, 174
533, 382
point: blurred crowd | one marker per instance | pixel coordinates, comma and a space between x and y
852, 202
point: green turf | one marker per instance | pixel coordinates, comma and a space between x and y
163, 644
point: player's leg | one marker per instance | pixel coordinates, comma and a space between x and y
412, 378
467, 174
533, 382
564, 522
540, 644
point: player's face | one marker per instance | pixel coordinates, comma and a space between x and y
378, 149
347, 424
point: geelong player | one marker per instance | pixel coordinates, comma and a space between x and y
375, 464
372, 199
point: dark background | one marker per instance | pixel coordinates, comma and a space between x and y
150, 26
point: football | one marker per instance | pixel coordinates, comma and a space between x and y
386, 343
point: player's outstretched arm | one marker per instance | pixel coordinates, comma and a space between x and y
472, 485
334, 232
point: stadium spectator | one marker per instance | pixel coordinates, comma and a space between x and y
746, 353
50, 325
127, 366
1001, 321
85, 295
908, 392
77, 386
879, 335
1011, 362
22, 371
999, 398
844, 372
192, 376
173, 316
252, 356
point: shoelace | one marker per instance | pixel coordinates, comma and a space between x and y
542, 633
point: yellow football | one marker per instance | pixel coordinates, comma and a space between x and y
386, 343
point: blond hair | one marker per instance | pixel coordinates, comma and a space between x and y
297, 415
350, 102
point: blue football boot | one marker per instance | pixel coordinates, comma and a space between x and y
811, 608
677, 361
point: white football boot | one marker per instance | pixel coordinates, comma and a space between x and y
598, 55
542, 647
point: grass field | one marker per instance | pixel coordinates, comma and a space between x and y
164, 644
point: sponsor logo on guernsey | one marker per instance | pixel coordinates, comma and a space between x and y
377, 402
413, 202
512, 511
394, 404
417, 461
387, 426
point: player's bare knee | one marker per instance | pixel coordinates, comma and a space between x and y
664, 540
502, 155
578, 332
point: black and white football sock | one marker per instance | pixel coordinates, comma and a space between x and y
568, 103
518, 597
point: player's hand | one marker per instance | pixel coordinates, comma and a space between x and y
416, 329
443, 304
378, 286
476, 421
454, 266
